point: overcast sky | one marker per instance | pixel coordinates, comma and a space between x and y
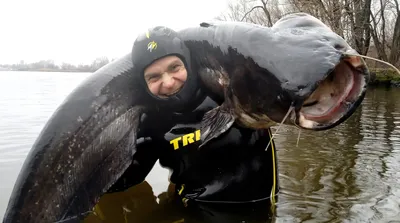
78, 31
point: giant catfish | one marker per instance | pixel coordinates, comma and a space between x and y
259, 73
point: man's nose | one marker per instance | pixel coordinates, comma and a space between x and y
168, 80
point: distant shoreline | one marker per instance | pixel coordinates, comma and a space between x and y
49, 70
50, 66
379, 76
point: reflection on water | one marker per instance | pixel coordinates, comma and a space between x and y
27, 100
139, 204
347, 174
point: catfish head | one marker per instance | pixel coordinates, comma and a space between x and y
328, 93
297, 72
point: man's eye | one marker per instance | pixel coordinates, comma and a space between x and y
176, 67
153, 77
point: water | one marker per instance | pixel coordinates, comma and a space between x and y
348, 174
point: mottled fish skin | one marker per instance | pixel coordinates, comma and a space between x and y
83, 149
289, 62
263, 71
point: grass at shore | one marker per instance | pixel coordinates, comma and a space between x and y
383, 76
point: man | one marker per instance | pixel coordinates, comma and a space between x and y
234, 168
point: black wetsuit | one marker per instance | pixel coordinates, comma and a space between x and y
232, 168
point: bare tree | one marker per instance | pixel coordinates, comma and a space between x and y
385, 30
263, 7
347, 18
263, 12
395, 48
362, 32
328, 11
360, 22
378, 33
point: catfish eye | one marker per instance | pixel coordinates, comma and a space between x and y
338, 46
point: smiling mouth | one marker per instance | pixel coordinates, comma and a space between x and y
172, 93
336, 97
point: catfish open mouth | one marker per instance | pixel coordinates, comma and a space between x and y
336, 97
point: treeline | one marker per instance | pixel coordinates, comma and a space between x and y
372, 27
49, 65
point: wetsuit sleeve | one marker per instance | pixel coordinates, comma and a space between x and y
143, 161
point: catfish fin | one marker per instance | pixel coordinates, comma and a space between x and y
215, 122
114, 148
206, 24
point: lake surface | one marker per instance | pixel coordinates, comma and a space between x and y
348, 174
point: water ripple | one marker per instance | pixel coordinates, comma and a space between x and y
347, 174
27, 99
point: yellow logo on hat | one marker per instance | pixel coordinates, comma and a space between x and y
152, 46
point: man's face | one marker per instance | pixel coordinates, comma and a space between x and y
165, 76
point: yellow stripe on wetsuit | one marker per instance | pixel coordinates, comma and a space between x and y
274, 171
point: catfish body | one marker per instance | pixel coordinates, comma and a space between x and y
81, 151
257, 72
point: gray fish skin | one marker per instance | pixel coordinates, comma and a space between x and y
82, 150
260, 72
